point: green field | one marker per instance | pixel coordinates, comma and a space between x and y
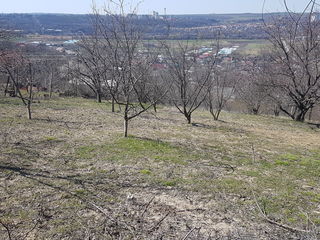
246, 46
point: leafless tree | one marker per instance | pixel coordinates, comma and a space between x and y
189, 76
51, 74
6, 39
220, 90
251, 89
126, 65
296, 49
89, 67
158, 88
21, 73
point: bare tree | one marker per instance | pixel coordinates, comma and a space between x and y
296, 50
5, 47
126, 65
20, 72
220, 90
51, 74
189, 75
251, 89
158, 88
89, 67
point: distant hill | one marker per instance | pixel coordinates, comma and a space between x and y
52, 24
71, 24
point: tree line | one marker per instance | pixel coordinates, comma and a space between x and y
117, 63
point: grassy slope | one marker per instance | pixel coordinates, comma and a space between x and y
72, 157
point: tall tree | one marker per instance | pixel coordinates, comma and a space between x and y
220, 90
251, 88
22, 73
295, 55
126, 64
189, 75
89, 67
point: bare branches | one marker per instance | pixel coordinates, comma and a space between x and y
23, 72
220, 90
190, 76
118, 62
295, 60
88, 66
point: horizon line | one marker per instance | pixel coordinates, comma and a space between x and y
174, 14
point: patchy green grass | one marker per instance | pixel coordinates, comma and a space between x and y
255, 47
131, 149
146, 172
72, 154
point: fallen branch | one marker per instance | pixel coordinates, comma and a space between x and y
191, 231
147, 206
284, 226
159, 223
100, 209
33, 228
7, 229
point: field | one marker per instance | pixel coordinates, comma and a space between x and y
246, 46
69, 174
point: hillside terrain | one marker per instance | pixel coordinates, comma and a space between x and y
69, 174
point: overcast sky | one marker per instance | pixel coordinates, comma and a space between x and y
147, 6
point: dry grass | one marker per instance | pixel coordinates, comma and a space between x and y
71, 175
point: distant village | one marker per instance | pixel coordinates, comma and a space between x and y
182, 26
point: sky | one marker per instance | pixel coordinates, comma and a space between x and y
147, 6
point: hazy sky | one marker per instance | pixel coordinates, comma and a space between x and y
147, 6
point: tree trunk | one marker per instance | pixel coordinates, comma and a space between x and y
29, 109
216, 116
213, 114
30, 91
50, 85
310, 113
7, 85
125, 129
276, 110
188, 116
98, 97
255, 111
112, 105
300, 117
155, 107
15, 90
16, 87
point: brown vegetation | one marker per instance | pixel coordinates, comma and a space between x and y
68, 173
